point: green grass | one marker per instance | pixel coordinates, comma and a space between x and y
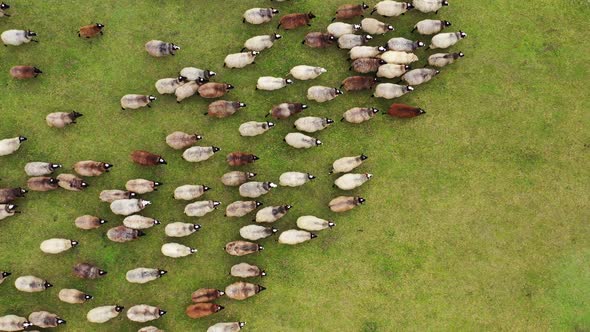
477, 218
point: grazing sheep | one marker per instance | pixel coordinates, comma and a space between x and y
56, 246
366, 65
242, 290
359, 52
146, 158
123, 234
110, 196
158, 48
142, 186
390, 90
62, 119
293, 21
104, 314
375, 27
187, 90
347, 164
245, 270
73, 296
391, 70
149, 329
322, 93
419, 76
91, 167
352, 181
200, 208
199, 310
430, 27
91, 30
401, 58
236, 178
204, 295
71, 182
240, 158
448, 39
241, 208
259, 15
189, 192
226, 327
39, 168
193, 74
253, 128
260, 43
169, 85
256, 232
4, 275
14, 323
345, 203
255, 189
295, 236
358, 83
222, 108
339, 28
89, 222
45, 319
443, 59
269, 83
272, 213
144, 313
240, 60
429, 6
17, 37
11, 145
133, 101
403, 45
142, 275
199, 153
181, 229
304, 73
7, 210
3, 8
391, 8
294, 179
176, 250
312, 124
241, 248
24, 72
348, 11
285, 110
214, 90
140, 222
312, 223
300, 141
404, 111
359, 114
8, 195
125, 207
179, 140
349, 41
42, 183
31, 284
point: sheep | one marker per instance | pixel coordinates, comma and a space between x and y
4, 275
443, 59
187, 90
253, 128
240, 60
312, 124
312, 223
255, 189
236, 178
366, 65
269, 83
214, 90
245, 270
18, 37
271, 214
133, 101
285, 110
358, 83
199, 153
391, 70
39, 168
300, 141
71, 182
7, 210
125, 207
389, 8
403, 45
142, 186
179, 140
169, 85
390, 90
226, 327
189, 192
14, 323
419, 76
347, 164
304, 73
401, 58
158, 48
144, 313
10, 145
349, 41
31, 284
359, 52
359, 114
45, 319
295, 236
123, 234
199, 310
110, 196
42, 183
338, 29
322, 93
242, 248
404, 111
259, 15
3, 8
260, 43
181, 229
242, 290
149, 329
91, 30
176, 250
145, 158
429, 6
349, 11
222, 108
375, 27
24, 72
8, 195
240, 158
294, 179
256, 232
73, 296
204, 295
193, 74
200, 208
104, 314
293, 21
430, 27
448, 39
241, 208
89, 222
352, 181
92, 168
140, 222
56, 246
345, 203
142, 275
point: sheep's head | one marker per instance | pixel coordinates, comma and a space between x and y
409, 6
100, 25
215, 149
446, 23
162, 161
445, 3
4, 6
274, 10
310, 15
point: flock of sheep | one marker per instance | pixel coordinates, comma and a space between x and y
387, 61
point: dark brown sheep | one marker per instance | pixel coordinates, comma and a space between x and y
318, 39
91, 30
202, 309
404, 111
91, 167
214, 90
8, 195
88, 271
240, 158
42, 183
285, 110
349, 11
204, 295
24, 72
293, 21
223, 109
358, 83
123, 234
366, 65
145, 158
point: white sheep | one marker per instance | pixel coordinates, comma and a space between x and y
419, 76
245, 270
134, 101
189, 192
142, 186
430, 27
348, 41
254, 189
352, 181
359, 114
295, 236
61, 119
260, 43
241, 208
429, 6
360, 52
347, 164
228, 327
375, 27
300, 141
340, 28
181, 229
447, 39
443, 59
17, 37
56, 246
158, 48
253, 128
31, 284
391, 70
142, 275
403, 44
140, 222
200, 208
10, 145
144, 313
240, 60
391, 8
129, 206
104, 314
193, 74
199, 153
270, 83
169, 85
312, 223
402, 58
256, 232
176, 250
294, 179
390, 90
14, 323
7, 210
187, 90
322, 93
259, 15
304, 73
312, 124
39, 168
272, 213
73, 296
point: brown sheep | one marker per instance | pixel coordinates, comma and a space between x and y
71, 182
240, 158
404, 111
204, 295
348, 11
24, 72
8, 195
236, 178
179, 140
42, 183
124, 234
62, 119
89, 222
285, 110
241, 248
318, 39
223, 109
214, 90
358, 83
293, 21
91, 30
88, 271
242, 290
366, 65
145, 158
345, 203
91, 167
202, 309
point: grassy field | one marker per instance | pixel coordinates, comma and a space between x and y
477, 217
